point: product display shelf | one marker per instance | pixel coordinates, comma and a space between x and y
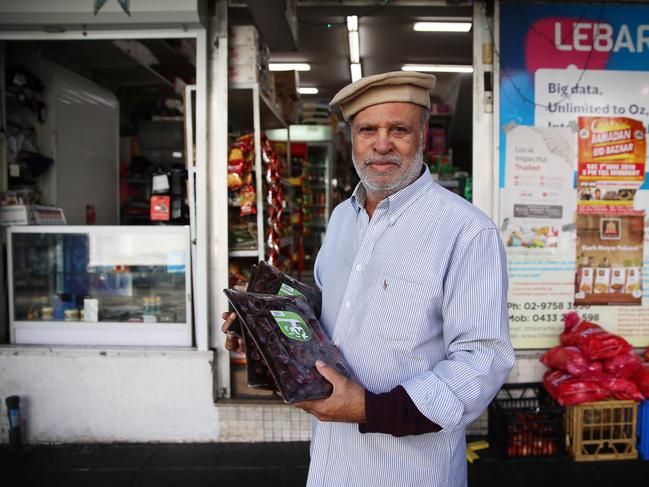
249, 108
602, 430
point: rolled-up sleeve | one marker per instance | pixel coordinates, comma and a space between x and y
476, 336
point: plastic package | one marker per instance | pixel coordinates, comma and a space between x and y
552, 379
569, 359
641, 378
617, 387
623, 365
595, 342
289, 340
578, 390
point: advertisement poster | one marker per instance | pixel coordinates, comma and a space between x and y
560, 63
612, 152
609, 260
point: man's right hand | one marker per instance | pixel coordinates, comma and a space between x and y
233, 343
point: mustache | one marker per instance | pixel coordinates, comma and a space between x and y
391, 158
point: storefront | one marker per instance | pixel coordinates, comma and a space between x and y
124, 308
107, 284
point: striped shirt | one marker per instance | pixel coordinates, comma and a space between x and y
414, 296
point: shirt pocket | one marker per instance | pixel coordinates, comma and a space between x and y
398, 308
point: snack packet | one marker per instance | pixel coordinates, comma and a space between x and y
289, 340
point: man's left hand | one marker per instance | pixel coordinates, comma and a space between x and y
346, 403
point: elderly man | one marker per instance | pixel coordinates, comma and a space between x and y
414, 287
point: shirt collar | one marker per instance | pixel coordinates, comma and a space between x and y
399, 201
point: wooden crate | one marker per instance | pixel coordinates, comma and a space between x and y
602, 430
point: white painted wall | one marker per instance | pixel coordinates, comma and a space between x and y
86, 123
94, 395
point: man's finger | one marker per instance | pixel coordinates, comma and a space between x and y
328, 372
228, 321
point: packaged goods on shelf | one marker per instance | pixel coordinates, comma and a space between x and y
524, 421
602, 430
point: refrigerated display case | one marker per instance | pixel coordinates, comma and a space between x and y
100, 285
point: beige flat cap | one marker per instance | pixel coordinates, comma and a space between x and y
396, 86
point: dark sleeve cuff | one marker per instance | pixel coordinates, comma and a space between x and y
395, 414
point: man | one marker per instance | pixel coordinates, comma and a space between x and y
413, 282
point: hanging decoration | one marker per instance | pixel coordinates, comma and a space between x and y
125, 4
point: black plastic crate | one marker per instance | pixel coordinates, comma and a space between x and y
524, 421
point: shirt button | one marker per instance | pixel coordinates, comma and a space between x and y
348, 305
359, 267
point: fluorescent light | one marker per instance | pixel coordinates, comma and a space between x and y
289, 67
442, 26
438, 68
352, 23
356, 71
307, 90
354, 48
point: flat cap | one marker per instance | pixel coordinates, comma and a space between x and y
396, 86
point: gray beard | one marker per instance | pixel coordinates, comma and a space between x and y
398, 184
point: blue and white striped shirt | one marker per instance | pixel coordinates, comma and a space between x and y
415, 296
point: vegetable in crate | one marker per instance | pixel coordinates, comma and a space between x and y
595, 342
290, 340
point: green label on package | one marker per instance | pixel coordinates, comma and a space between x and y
292, 325
287, 290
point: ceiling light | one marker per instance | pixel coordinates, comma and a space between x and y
438, 68
356, 71
354, 48
442, 26
352, 23
307, 90
289, 67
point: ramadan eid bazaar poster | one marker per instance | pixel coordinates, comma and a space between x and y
574, 194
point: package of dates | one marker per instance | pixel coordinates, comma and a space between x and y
266, 279
289, 340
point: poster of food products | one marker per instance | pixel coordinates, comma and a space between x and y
609, 260
559, 63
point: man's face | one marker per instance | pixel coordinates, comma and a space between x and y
387, 146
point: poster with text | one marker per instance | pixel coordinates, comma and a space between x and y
609, 259
560, 62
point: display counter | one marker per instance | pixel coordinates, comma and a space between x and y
100, 285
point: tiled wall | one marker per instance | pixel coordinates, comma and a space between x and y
253, 422
269, 422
